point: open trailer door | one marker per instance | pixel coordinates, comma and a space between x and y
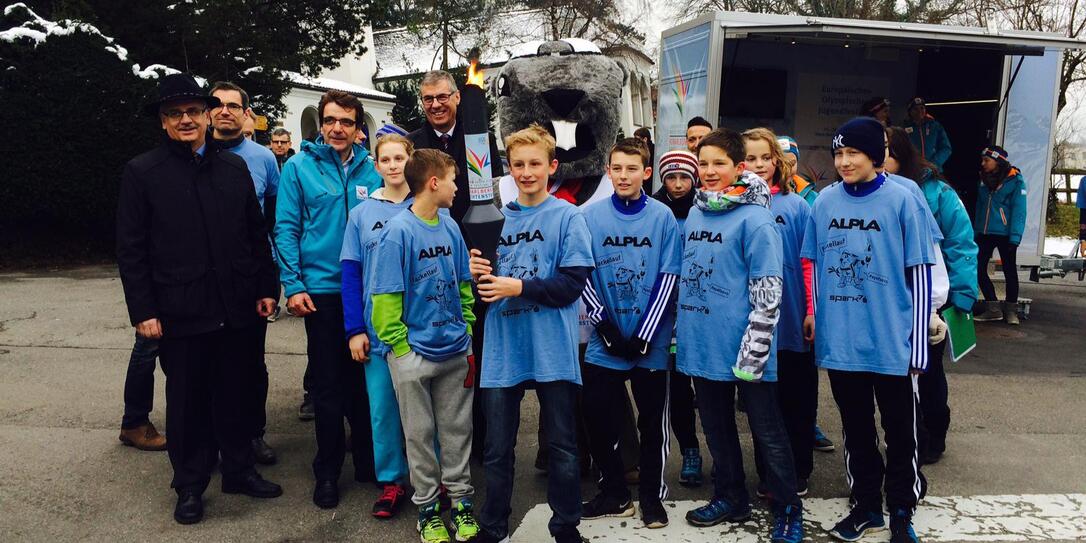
1027, 127
689, 54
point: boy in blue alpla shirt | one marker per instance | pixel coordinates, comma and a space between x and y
729, 304
638, 251
871, 251
544, 258
422, 309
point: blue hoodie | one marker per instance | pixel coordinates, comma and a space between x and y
958, 245
315, 195
1001, 211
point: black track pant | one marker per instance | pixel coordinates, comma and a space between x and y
604, 410
856, 394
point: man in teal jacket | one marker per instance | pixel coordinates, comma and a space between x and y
317, 189
999, 222
927, 134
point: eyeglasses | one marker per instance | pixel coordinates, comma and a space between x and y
234, 108
440, 98
331, 121
177, 114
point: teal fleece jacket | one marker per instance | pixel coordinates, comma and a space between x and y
316, 193
959, 246
931, 139
1001, 210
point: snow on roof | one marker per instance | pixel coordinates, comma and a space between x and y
335, 84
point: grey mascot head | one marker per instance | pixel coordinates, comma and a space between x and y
572, 90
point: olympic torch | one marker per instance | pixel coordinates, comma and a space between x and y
483, 221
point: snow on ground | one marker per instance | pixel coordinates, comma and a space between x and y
1059, 245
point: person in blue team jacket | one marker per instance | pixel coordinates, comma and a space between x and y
959, 253
999, 222
927, 134
317, 189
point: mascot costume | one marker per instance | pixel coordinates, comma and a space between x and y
571, 89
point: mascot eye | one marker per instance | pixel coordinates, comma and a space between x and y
504, 86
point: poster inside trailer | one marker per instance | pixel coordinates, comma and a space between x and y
684, 69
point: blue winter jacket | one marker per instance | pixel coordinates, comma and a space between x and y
315, 196
959, 246
931, 139
1002, 211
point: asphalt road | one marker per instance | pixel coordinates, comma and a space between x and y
1019, 426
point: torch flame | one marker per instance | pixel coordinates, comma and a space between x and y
475, 77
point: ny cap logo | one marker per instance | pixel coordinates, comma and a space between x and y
838, 141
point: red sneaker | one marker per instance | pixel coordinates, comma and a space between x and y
389, 502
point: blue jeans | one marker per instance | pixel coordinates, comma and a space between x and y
716, 405
139, 383
557, 401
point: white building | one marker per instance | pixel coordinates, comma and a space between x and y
400, 54
354, 75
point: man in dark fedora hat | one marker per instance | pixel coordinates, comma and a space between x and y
197, 271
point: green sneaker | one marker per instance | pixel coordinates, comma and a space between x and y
431, 527
464, 520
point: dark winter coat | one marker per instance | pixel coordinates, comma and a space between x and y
425, 138
192, 248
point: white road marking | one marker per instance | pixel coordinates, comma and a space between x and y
1028, 517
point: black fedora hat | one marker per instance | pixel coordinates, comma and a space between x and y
177, 87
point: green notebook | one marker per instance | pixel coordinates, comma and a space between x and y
961, 333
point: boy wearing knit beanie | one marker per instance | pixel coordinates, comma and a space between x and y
679, 171
869, 243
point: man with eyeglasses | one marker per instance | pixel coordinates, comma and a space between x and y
440, 99
227, 122
198, 275
318, 187
280, 146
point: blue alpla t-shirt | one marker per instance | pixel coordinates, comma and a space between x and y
427, 264
631, 251
723, 252
790, 213
365, 225
861, 247
526, 340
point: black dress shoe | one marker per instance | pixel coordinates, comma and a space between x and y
190, 508
263, 452
252, 485
326, 494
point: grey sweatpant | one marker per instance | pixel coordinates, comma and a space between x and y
433, 400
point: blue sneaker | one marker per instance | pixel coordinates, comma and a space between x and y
857, 523
901, 527
717, 511
821, 442
788, 525
690, 476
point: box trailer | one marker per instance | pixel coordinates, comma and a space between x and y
805, 76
